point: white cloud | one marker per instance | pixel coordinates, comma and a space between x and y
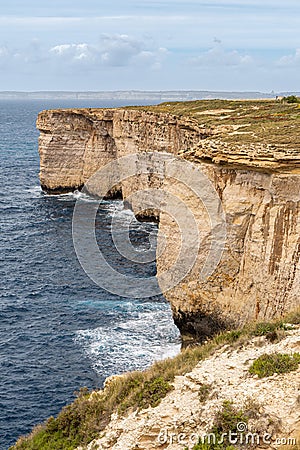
290, 60
218, 56
32, 53
4, 52
9, 55
119, 50
74, 52
112, 50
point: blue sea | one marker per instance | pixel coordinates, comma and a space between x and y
58, 330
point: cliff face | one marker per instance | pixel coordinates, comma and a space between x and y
258, 276
74, 144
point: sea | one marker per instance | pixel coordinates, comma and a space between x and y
59, 331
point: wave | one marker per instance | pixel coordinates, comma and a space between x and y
133, 343
35, 191
74, 195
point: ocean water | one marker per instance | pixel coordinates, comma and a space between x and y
58, 330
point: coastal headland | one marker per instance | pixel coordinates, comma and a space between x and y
248, 150
240, 388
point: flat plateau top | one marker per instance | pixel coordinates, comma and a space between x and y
261, 134
242, 121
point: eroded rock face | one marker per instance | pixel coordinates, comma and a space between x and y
74, 144
258, 276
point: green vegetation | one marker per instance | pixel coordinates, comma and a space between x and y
213, 446
226, 420
274, 332
85, 418
264, 328
204, 392
267, 122
291, 99
267, 365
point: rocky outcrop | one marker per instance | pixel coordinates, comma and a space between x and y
187, 414
258, 276
74, 144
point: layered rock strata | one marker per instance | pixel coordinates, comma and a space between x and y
258, 276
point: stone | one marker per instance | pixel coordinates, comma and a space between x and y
270, 403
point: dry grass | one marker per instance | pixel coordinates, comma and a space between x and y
85, 418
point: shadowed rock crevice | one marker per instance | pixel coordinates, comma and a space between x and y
198, 327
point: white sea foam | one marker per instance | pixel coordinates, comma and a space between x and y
35, 191
74, 195
147, 334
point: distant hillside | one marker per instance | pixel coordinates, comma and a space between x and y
139, 95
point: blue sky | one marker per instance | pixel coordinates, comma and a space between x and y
150, 45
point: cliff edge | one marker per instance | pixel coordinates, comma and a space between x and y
250, 153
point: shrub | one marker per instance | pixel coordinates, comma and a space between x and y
291, 99
226, 420
264, 328
207, 446
204, 391
228, 338
148, 394
266, 365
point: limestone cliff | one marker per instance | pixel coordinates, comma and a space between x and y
75, 143
257, 180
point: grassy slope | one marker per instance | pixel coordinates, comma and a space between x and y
84, 419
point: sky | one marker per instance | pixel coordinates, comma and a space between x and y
96, 45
